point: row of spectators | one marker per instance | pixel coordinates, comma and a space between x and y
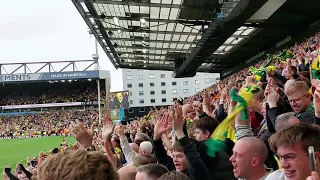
303, 53
46, 123
271, 143
50, 92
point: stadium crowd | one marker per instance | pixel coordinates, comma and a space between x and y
50, 92
44, 123
260, 123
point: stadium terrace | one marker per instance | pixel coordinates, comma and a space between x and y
261, 121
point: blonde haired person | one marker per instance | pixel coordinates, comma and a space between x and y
291, 145
78, 164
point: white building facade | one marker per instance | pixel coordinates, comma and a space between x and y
158, 88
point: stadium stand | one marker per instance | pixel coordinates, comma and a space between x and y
50, 92
44, 123
197, 111
261, 122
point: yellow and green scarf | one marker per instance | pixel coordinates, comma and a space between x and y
216, 143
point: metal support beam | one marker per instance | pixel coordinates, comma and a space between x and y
42, 67
46, 62
153, 48
5, 70
132, 3
89, 66
50, 66
191, 22
148, 40
146, 59
213, 56
149, 67
16, 69
120, 53
149, 31
95, 33
65, 67
217, 33
163, 41
163, 49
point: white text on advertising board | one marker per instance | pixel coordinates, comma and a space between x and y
68, 75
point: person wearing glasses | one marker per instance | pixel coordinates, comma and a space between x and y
299, 99
291, 147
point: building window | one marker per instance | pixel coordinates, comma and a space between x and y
130, 93
141, 109
164, 100
174, 91
152, 92
208, 80
131, 101
197, 90
140, 93
129, 77
140, 77
141, 101
163, 83
163, 92
185, 83
162, 76
130, 110
196, 82
140, 84
151, 76
174, 83
151, 84
152, 100
129, 85
174, 99
185, 90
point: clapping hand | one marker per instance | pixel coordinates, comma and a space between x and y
108, 128
178, 119
162, 126
82, 135
120, 130
178, 122
272, 96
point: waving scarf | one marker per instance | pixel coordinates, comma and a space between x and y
216, 143
259, 72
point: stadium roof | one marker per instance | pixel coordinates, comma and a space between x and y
190, 35
47, 66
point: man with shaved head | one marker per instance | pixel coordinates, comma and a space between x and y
249, 155
127, 173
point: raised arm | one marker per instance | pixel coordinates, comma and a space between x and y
107, 131
197, 168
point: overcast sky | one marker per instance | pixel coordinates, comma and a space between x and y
48, 30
